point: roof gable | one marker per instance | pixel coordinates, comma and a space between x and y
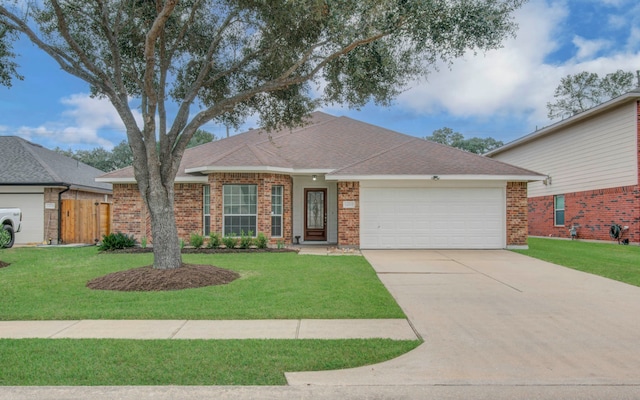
336, 145
26, 163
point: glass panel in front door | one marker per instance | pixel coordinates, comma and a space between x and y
315, 210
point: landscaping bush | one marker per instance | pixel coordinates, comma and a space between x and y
115, 241
262, 241
5, 238
214, 240
196, 240
246, 240
230, 241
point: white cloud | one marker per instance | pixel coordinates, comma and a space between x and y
501, 81
633, 41
589, 48
83, 123
518, 79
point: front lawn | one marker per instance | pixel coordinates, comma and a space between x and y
68, 362
610, 260
49, 284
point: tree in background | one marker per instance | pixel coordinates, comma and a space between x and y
456, 139
224, 60
121, 155
579, 92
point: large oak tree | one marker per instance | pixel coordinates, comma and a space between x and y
224, 60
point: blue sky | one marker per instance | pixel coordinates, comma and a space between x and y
501, 93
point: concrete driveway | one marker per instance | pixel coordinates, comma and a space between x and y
500, 318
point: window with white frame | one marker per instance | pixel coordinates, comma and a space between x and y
558, 210
206, 209
276, 211
240, 209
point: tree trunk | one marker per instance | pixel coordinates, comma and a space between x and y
166, 244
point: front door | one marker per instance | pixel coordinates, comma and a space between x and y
315, 214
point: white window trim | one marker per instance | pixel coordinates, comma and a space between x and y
206, 192
224, 215
281, 196
555, 210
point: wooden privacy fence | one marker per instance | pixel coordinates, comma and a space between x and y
84, 221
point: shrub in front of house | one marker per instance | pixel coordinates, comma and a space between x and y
230, 241
5, 238
246, 239
261, 241
196, 240
215, 240
116, 241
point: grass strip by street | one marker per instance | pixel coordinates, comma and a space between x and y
610, 260
62, 362
49, 284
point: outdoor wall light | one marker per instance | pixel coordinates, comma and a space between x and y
435, 178
314, 177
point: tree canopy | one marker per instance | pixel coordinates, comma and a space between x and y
456, 139
188, 62
579, 92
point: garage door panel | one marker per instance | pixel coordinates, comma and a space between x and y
432, 218
32, 207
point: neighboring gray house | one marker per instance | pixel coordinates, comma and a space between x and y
50, 187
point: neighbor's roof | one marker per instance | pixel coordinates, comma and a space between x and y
340, 147
633, 95
26, 163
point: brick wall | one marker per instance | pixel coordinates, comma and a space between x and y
129, 212
517, 223
348, 218
51, 216
130, 215
594, 211
188, 209
264, 183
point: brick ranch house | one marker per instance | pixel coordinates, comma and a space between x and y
592, 163
339, 181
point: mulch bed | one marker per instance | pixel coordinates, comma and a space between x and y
189, 276
189, 250
4, 264
146, 279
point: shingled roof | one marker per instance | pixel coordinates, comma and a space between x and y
337, 146
26, 163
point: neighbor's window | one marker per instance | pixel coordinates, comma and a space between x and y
206, 209
558, 210
240, 208
276, 211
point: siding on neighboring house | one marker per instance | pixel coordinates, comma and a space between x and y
595, 165
598, 153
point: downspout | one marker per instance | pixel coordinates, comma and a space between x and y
60, 211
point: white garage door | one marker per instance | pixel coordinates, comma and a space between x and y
432, 218
32, 206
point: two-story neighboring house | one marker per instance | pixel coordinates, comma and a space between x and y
592, 163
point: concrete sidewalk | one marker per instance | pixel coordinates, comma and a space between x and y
397, 329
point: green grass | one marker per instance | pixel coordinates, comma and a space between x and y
49, 284
40, 362
610, 260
